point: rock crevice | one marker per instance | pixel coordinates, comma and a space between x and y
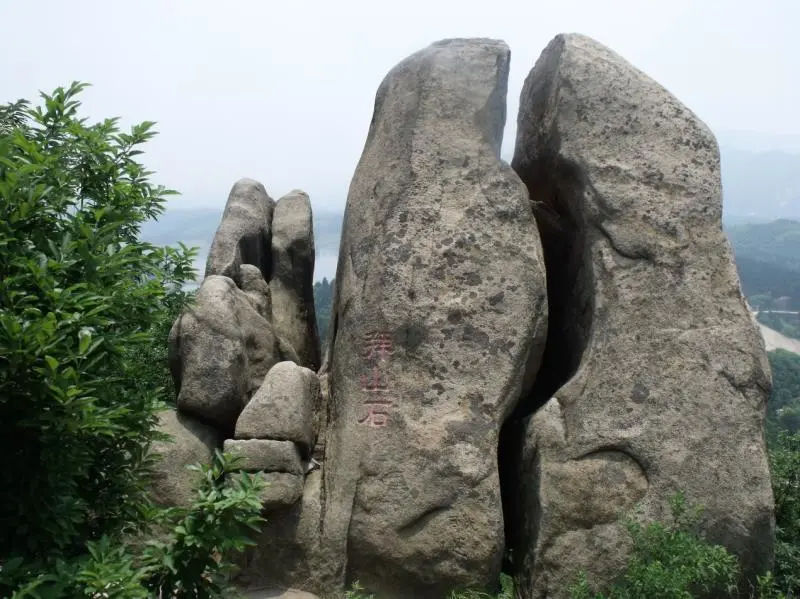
520, 357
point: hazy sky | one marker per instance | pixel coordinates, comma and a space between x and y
283, 91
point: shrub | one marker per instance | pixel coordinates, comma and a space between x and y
357, 591
669, 561
84, 306
186, 562
784, 457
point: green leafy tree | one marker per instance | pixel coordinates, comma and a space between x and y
84, 306
784, 457
184, 561
79, 292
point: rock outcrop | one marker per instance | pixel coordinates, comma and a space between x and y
256, 289
236, 356
655, 377
288, 551
252, 309
292, 282
284, 408
221, 349
439, 327
468, 402
191, 442
244, 235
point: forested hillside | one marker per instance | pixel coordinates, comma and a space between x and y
323, 298
768, 258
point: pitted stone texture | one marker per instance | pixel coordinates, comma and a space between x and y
256, 289
287, 550
283, 408
243, 236
266, 455
439, 327
281, 489
292, 283
192, 442
655, 375
220, 350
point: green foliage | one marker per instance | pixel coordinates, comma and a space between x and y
767, 260
506, 591
669, 561
149, 364
784, 402
357, 591
78, 294
323, 298
776, 242
221, 520
84, 311
785, 467
186, 562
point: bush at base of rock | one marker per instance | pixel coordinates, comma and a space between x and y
189, 442
278, 489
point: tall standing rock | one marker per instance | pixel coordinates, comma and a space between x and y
655, 377
292, 283
243, 236
440, 325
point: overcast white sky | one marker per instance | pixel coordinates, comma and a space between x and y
283, 91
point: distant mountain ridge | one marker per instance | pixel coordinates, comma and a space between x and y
776, 242
196, 227
758, 188
768, 259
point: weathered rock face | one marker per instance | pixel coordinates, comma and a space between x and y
283, 408
225, 351
243, 236
220, 350
292, 286
287, 553
257, 289
191, 442
266, 455
655, 377
439, 328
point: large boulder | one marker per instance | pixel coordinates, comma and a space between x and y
439, 327
283, 408
292, 283
243, 236
220, 349
655, 377
190, 442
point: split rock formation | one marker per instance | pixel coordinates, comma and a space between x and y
519, 357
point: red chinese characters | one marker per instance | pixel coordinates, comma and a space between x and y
377, 345
377, 350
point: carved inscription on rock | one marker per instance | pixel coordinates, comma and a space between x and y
377, 350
